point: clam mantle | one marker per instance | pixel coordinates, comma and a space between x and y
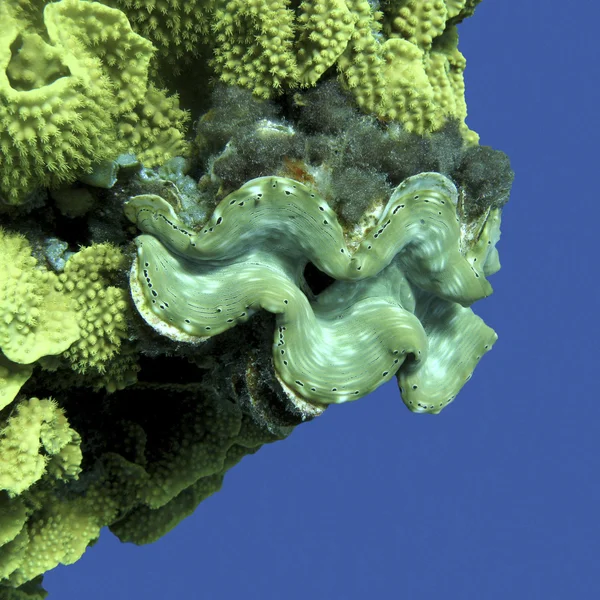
399, 303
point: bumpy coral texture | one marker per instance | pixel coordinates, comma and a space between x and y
35, 319
399, 58
73, 93
37, 424
404, 291
12, 378
148, 473
75, 315
413, 75
100, 308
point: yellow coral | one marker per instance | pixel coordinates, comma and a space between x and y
77, 313
401, 64
417, 21
12, 377
155, 129
13, 515
63, 91
60, 532
100, 309
120, 371
254, 45
445, 66
103, 36
35, 320
52, 117
325, 27
362, 63
37, 424
167, 472
176, 28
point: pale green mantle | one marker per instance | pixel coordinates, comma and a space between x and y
399, 304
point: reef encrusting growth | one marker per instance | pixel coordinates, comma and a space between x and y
172, 299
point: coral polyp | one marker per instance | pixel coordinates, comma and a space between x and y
173, 298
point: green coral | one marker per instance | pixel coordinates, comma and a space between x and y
253, 44
32, 590
415, 76
176, 28
215, 436
150, 472
68, 89
192, 286
399, 60
37, 424
76, 314
51, 510
100, 309
35, 321
12, 378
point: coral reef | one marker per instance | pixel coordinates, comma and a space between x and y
36, 321
75, 313
12, 378
148, 474
399, 58
74, 93
36, 423
100, 308
325, 226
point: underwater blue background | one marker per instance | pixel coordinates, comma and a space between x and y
498, 496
